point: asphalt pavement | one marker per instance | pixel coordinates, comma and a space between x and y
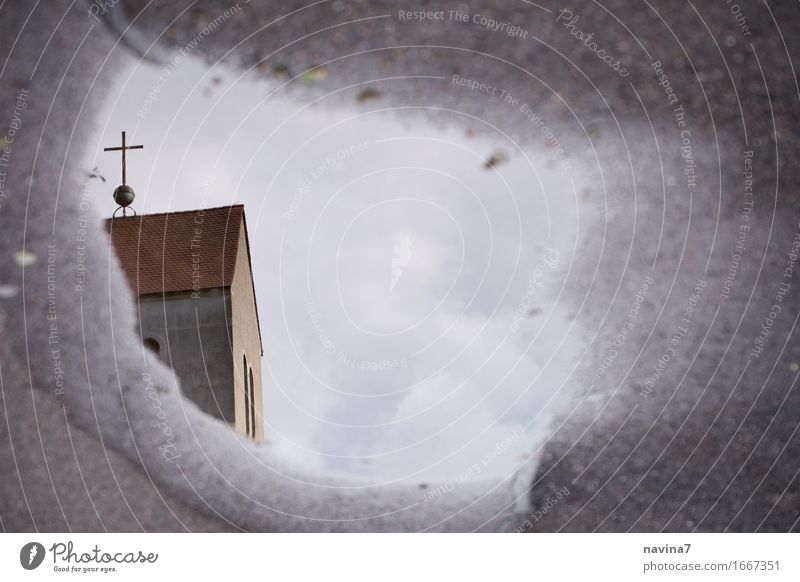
682, 412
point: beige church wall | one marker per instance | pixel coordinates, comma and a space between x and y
246, 338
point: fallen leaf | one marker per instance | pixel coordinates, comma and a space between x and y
316, 74
24, 258
368, 95
495, 159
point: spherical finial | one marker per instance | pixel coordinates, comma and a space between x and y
123, 195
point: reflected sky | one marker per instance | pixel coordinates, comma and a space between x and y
407, 275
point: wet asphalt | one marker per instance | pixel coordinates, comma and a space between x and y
692, 424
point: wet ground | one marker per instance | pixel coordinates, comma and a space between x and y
680, 412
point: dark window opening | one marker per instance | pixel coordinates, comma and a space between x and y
246, 397
252, 406
152, 345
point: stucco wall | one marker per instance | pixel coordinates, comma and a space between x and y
193, 332
246, 339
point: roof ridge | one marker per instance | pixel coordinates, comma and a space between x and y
240, 205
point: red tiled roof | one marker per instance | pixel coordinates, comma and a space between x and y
158, 251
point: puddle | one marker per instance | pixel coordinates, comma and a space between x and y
407, 276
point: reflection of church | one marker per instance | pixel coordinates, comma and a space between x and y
192, 275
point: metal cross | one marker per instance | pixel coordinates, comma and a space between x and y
123, 149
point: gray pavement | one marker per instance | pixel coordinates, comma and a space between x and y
690, 425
